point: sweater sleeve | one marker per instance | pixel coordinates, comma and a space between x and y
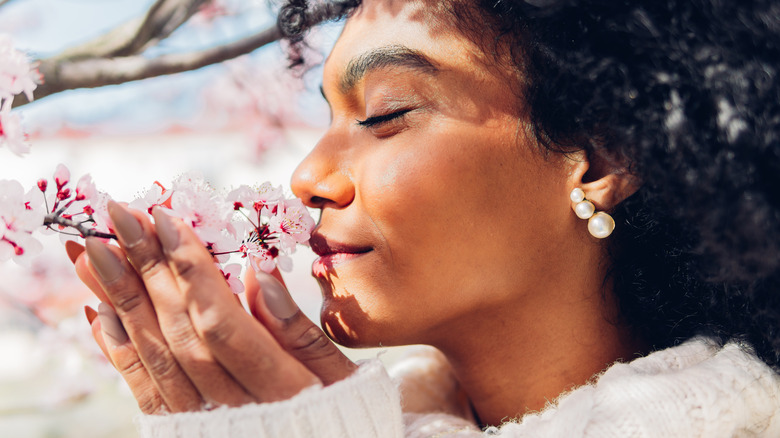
689, 390
366, 404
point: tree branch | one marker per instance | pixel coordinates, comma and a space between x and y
133, 36
97, 72
4, 2
54, 219
164, 17
62, 74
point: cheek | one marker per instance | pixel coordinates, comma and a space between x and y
461, 203
456, 219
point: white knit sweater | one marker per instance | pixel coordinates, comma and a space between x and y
693, 390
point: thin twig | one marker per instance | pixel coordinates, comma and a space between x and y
53, 219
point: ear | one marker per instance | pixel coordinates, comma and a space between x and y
605, 180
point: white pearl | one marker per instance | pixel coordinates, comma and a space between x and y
577, 195
584, 209
601, 225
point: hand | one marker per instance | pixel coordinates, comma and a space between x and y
172, 328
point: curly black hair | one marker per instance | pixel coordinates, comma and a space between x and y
687, 92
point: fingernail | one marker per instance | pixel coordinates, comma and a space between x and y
107, 265
276, 296
126, 225
74, 250
91, 314
166, 229
113, 332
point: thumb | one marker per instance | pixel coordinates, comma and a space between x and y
271, 304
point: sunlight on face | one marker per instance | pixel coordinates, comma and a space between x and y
437, 210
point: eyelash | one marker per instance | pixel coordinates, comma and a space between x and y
378, 120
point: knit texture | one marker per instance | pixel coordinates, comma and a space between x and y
694, 390
365, 405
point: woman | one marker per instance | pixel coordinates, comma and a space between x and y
466, 142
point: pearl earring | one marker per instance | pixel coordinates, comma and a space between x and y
600, 224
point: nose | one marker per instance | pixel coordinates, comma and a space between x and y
321, 179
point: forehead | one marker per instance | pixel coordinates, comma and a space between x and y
425, 27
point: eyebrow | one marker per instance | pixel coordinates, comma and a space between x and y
384, 57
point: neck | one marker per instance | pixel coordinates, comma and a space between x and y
529, 354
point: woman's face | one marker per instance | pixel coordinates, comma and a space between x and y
438, 210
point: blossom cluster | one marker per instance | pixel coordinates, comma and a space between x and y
258, 224
17, 76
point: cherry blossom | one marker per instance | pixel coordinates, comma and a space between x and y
258, 224
85, 189
11, 134
199, 205
17, 75
232, 274
292, 222
19, 217
156, 195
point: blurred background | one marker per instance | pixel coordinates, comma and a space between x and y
238, 120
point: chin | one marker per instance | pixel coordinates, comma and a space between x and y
354, 315
348, 325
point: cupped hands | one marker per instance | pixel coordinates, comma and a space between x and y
171, 326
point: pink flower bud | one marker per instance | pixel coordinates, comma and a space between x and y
61, 176
42, 184
85, 188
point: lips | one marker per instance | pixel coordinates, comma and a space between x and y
332, 252
324, 247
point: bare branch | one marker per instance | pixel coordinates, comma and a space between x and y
60, 74
97, 72
133, 36
163, 18
104, 45
4, 2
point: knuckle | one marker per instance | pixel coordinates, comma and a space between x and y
127, 302
151, 267
134, 371
215, 330
312, 344
162, 366
187, 267
150, 404
130, 368
181, 338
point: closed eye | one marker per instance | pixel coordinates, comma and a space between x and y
378, 120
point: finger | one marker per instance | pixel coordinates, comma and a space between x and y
80, 261
138, 239
96, 333
271, 303
240, 344
130, 301
113, 340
